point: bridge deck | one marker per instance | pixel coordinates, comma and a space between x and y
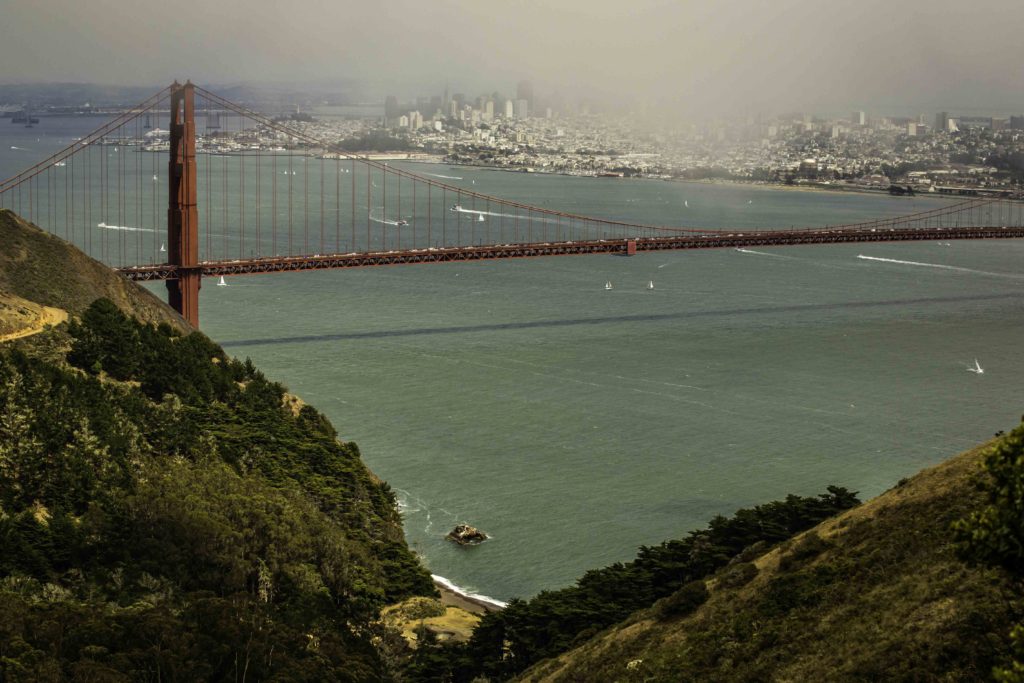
282, 264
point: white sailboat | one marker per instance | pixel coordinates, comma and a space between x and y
977, 369
650, 284
221, 282
608, 285
163, 248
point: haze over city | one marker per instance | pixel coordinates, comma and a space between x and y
690, 58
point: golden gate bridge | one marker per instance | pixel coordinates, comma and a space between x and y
304, 203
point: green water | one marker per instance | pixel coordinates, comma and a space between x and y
573, 424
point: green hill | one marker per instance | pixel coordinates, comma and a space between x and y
876, 593
46, 270
167, 512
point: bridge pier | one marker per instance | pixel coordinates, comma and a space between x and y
182, 212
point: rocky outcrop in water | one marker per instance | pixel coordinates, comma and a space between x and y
464, 534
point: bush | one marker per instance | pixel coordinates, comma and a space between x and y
684, 601
737, 575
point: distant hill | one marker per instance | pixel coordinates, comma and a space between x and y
873, 594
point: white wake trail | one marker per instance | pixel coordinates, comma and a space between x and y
123, 228
446, 177
939, 266
762, 253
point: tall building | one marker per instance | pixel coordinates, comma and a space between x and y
941, 121
1017, 123
488, 110
522, 108
912, 129
509, 109
390, 109
524, 91
859, 118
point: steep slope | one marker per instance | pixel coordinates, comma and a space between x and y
169, 513
46, 270
873, 594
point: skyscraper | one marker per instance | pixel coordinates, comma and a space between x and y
509, 109
524, 91
941, 121
858, 118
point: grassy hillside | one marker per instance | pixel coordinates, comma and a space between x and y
46, 270
169, 513
875, 593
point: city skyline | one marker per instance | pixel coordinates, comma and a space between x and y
691, 57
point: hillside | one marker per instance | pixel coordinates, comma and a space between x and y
875, 593
48, 271
168, 512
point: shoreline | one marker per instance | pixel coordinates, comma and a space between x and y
454, 596
802, 187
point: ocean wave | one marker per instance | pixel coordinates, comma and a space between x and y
466, 594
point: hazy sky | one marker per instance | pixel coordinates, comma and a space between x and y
768, 55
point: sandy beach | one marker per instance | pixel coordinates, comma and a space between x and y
453, 598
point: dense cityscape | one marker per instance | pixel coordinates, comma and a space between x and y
934, 153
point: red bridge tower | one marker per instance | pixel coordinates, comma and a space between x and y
182, 214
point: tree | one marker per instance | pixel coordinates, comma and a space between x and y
994, 535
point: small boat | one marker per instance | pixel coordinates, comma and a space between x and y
977, 369
608, 285
163, 248
401, 222
156, 177
650, 284
456, 208
481, 218
221, 282
686, 204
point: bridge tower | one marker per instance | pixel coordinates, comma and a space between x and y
182, 213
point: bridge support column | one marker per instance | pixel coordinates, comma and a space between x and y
182, 213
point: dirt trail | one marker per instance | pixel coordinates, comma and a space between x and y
47, 316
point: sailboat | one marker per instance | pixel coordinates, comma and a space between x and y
977, 369
481, 218
221, 282
608, 285
163, 248
650, 285
686, 203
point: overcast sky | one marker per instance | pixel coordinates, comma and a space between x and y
767, 55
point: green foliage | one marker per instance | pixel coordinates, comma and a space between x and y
993, 536
805, 550
164, 515
523, 633
737, 574
885, 599
683, 601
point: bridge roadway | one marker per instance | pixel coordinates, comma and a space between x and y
696, 240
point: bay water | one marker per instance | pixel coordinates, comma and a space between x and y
574, 423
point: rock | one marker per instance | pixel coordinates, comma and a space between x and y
464, 534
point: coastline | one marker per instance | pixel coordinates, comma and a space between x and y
454, 596
803, 187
